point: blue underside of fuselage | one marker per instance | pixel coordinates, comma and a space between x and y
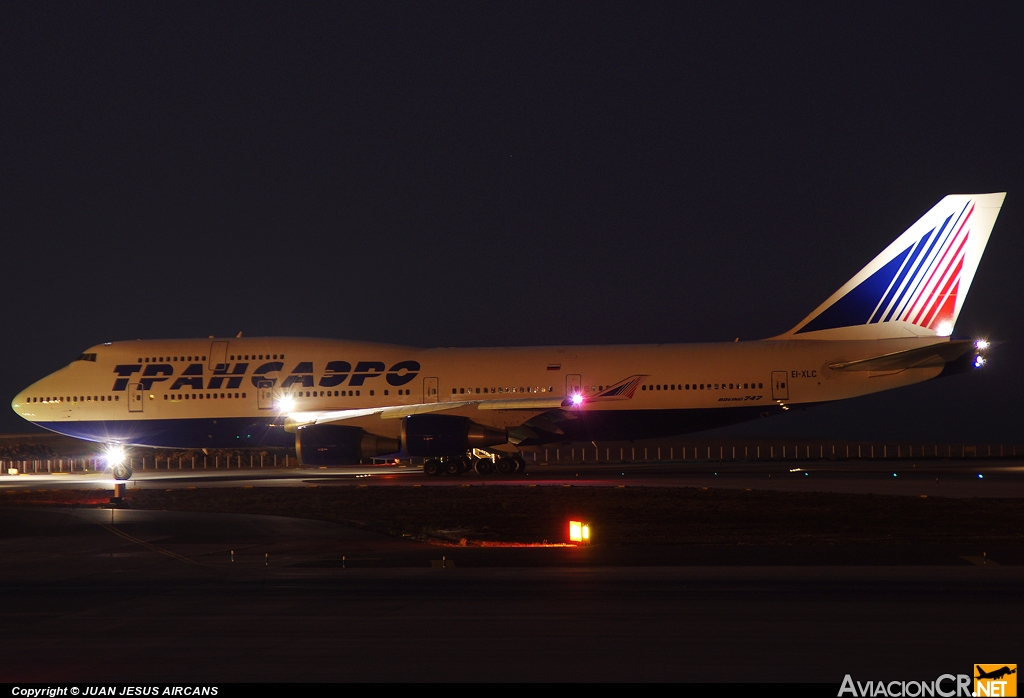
231, 432
267, 432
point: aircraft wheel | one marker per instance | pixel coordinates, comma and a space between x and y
520, 464
121, 472
506, 465
453, 466
483, 466
432, 467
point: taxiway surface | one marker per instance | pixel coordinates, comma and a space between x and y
101, 595
943, 478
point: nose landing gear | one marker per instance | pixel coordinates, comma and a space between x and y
121, 472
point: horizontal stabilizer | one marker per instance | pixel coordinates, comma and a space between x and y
933, 355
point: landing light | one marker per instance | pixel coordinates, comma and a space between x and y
115, 455
981, 344
577, 399
979, 361
285, 405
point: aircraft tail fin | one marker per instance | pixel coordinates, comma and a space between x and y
918, 284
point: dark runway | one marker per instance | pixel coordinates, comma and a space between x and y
934, 478
95, 595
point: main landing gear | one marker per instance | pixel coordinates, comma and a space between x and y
457, 465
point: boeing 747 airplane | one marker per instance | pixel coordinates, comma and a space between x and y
338, 402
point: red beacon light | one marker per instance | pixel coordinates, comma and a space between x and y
579, 532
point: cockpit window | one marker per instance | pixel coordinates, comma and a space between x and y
86, 357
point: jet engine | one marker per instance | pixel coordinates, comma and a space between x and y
435, 435
329, 444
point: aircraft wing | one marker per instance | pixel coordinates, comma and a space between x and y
933, 355
623, 390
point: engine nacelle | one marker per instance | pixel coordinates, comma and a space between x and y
446, 435
329, 444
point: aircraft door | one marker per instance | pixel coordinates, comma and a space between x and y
780, 385
572, 384
265, 395
135, 394
218, 356
430, 390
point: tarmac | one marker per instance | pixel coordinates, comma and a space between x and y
941, 478
123, 595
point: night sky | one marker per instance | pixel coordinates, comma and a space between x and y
503, 174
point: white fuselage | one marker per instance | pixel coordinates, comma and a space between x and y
174, 392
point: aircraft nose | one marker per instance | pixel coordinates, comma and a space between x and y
22, 403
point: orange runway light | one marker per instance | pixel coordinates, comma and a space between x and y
579, 532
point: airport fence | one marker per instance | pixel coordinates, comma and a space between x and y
661, 452
98, 464
770, 451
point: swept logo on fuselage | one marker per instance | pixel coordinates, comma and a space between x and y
230, 375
